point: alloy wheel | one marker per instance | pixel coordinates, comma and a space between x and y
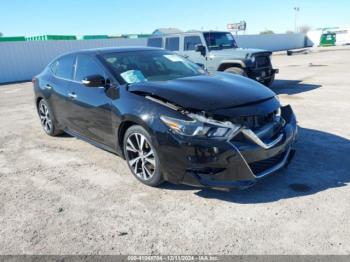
45, 117
140, 156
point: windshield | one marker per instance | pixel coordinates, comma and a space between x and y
138, 66
219, 40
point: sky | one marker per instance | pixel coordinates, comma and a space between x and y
74, 17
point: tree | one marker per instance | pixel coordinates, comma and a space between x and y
267, 32
304, 29
1, 34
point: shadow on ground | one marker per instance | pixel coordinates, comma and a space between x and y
66, 135
321, 162
292, 87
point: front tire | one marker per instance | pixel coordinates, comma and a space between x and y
236, 70
47, 119
141, 156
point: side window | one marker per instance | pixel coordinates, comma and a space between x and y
63, 67
87, 66
155, 42
191, 41
172, 43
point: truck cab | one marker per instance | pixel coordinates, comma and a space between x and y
218, 51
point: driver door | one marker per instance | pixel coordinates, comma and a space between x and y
90, 106
189, 49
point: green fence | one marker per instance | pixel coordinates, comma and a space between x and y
51, 37
92, 37
12, 38
68, 37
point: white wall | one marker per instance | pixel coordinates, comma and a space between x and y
315, 36
20, 61
273, 42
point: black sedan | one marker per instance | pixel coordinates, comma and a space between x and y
169, 118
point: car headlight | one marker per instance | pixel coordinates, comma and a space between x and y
200, 126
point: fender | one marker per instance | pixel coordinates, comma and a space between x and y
241, 63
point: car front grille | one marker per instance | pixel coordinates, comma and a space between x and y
261, 166
255, 122
262, 61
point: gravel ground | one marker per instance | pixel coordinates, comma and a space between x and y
64, 196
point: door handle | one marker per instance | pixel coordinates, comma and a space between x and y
72, 95
48, 87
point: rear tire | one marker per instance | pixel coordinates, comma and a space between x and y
141, 156
47, 119
236, 70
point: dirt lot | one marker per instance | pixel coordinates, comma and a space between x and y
64, 196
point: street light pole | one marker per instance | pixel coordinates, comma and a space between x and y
296, 9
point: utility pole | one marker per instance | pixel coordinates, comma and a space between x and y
296, 9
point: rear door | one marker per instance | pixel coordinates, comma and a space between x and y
91, 107
62, 77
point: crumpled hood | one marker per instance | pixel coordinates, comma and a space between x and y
206, 92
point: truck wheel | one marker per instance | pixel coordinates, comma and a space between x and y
236, 70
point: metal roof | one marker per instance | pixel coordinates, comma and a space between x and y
166, 31
190, 32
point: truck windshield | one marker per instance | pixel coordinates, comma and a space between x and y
219, 40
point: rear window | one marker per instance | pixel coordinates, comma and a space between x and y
190, 42
155, 42
63, 66
172, 43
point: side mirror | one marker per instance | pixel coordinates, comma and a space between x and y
94, 81
201, 49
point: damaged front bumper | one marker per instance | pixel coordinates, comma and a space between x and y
228, 164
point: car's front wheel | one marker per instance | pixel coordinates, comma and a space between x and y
47, 119
141, 156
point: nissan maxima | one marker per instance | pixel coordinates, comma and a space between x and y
167, 117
